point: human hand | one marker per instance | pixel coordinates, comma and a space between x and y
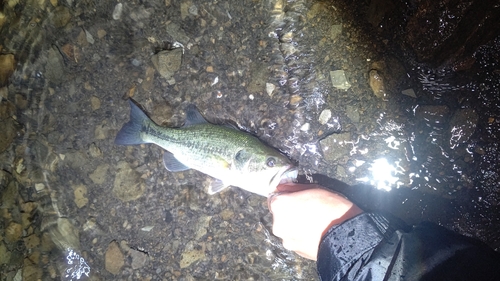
303, 213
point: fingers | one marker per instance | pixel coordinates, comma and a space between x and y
294, 187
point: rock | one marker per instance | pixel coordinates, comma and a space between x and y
352, 113
100, 174
7, 66
139, 258
9, 194
95, 102
177, 33
462, 125
9, 130
377, 84
203, 223
128, 184
409, 92
270, 89
335, 146
54, 68
190, 257
39, 187
226, 214
20, 101
339, 80
80, 193
101, 131
4, 254
295, 100
117, 12
167, 63
89, 37
60, 17
13, 232
31, 272
31, 241
114, 259
325, 115
185, 9
101, 33
94, 150
335, 31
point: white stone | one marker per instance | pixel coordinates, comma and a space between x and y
117, 12
325, 116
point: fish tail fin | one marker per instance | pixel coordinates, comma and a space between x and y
130, 133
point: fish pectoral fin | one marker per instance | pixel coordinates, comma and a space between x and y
216, 186
172, 164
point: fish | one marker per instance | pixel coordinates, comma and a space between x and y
232, 157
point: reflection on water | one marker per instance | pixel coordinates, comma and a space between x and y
76, 267
384, 176
75, 205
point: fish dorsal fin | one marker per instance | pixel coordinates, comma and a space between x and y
193, 116
216, 186
172, 164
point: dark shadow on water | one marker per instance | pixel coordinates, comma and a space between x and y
413, 206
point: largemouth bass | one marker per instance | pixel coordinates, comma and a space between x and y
232, 157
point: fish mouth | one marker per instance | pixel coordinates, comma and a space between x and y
284, 175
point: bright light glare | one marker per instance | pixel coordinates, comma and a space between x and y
383, 175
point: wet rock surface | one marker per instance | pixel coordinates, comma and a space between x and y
70, 194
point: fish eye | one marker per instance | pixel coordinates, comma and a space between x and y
271, 162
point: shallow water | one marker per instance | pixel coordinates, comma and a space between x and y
74, 204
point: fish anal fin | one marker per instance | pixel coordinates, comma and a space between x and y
172, 164
216, 186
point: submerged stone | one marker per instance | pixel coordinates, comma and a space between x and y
167, 63
339, 80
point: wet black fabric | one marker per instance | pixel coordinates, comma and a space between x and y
374, 246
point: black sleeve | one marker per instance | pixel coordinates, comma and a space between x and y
373, 246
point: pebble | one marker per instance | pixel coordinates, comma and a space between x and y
339, 80
89, 37
376, 81
94, 150
352, 113
4, 254
139, 258
190, 257
13, 232
7, 66
114, 258
117, 12
270, 89
167, 62
80, 193
409, 92
128, 184
325, 115
95, 102
101, 33
61, 16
